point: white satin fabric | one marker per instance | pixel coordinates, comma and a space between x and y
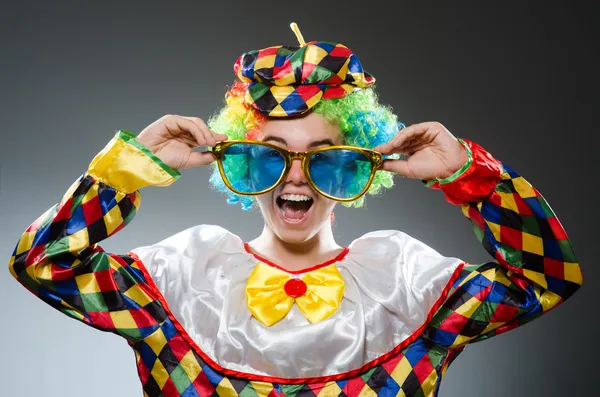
392, 282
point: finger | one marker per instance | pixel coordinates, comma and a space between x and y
199, 158
398, 166
204, 127
405, 134
208, 134
178, 123
221, 137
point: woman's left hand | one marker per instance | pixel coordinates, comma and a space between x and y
433, 152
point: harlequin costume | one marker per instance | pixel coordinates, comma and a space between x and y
206, 317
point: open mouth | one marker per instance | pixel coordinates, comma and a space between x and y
294, 207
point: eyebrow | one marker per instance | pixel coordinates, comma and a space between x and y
313, 144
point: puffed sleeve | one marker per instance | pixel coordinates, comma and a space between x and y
59, 260
534, 268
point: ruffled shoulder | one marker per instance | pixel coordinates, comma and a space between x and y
203, 238
401, 273
189, 254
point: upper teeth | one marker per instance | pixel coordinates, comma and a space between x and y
295, 197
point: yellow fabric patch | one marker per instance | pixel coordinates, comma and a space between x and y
156, 341
533, 244
523, 187
266, 62
160, 373
401, 371
123, 319
314, 55
138, 295
262, 388
190, 365
573, 273
87, 283
26, 241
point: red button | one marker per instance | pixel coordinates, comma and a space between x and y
295, 287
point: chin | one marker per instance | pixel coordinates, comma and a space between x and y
297, 232
294, 236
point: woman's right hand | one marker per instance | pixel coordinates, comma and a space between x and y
173, 138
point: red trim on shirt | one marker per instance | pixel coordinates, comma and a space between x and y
293, 381
338, 258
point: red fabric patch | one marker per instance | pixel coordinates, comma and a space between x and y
554, 268
522, 206
106, 281
282, 71
477, 218
179, 346
92, 211
143, 371
423, 368
482, 295
334, 92
504, 313
334, 80
391, 364
307, 91
454, 323
519, 281
273, 393
60, 273
340, 52
507, 327
316, 388
142, 318
511, 237
557, 229
354, 386
266, 52
102, 320
307, 69
203, 385
169, 388
35, 254
64, 212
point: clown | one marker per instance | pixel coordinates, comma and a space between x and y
292, 313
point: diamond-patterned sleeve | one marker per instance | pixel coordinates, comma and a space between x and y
58, 257
534, 268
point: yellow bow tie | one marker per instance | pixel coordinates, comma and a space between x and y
271, 293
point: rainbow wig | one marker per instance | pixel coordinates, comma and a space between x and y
363, 121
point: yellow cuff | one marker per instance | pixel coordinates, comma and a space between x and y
126, 165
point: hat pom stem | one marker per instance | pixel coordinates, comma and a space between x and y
296, 30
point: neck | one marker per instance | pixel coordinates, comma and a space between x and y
296, 256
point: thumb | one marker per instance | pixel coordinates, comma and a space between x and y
199, 158
397, 166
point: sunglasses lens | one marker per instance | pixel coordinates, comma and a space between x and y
252, 168
340, 173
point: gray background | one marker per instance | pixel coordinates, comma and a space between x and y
519, 80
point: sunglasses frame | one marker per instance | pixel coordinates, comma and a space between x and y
374, 157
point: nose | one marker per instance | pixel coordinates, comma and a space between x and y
296, 175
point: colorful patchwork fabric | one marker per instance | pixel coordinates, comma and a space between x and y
57, 258
287, 81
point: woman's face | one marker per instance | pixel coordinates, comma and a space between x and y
294, 211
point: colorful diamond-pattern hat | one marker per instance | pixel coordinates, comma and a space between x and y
287, 81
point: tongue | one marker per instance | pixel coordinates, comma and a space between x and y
295, 209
